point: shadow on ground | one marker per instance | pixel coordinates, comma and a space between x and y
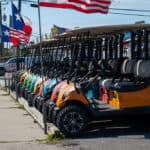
137, 126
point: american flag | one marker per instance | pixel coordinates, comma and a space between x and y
18, 34
13, 35
86, 6
21, 26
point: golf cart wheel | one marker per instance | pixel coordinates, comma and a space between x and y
18, 89
26, 94
34, 100
29, 100
54, 115
72, 121
22, 90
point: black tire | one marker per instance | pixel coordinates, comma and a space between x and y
54, 115
18, 89
29, 99
34, 100
22, 90
72, 121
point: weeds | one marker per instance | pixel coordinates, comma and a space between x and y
21, 107
55, 138
2, 88
5, 94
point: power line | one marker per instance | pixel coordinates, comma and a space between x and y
115, 13
128, 14
134, 10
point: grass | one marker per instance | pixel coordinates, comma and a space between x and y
55, 138
21, 107
2, 88
5, 94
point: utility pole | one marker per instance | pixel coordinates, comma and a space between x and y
19, 5
1, 44
18, 49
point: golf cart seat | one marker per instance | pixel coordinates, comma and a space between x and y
141, 73
126, 70
129, 86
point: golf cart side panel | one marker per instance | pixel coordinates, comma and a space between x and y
72, 96
133, 99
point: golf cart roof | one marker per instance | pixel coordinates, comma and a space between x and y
98, 30
104, 30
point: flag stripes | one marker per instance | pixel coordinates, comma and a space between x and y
18, 34
86, 6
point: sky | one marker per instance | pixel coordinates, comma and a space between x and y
70, 18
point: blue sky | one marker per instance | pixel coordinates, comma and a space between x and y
70, 18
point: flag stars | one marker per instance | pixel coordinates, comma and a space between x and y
18, 18
6, 33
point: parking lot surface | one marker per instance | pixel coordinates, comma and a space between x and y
18, 131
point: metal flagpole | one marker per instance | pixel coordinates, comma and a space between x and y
40, 33
41, 58
18, 49
12, 24
1, 44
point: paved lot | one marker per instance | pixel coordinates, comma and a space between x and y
17, 129
16, 124
19, 132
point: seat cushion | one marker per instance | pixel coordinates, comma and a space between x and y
107, 83
128, 86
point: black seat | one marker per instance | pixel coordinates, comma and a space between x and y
141, 73
129, 86
125, 69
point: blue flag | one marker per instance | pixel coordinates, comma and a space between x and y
5, 33
18, 22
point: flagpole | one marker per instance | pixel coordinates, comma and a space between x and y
19, 49
40, 33
41, 58
1, 44
16, 58
16, 48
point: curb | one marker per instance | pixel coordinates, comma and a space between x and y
36, 115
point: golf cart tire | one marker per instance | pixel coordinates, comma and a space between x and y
18, 89
34, 100
29, 100
80, 117
54, 116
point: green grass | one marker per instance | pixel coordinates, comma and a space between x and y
21, 107
55, 138
2, 88
5, 94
